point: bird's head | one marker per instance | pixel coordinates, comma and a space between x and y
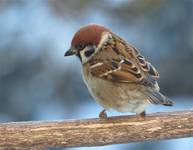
87, 40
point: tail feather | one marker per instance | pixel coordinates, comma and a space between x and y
156, 97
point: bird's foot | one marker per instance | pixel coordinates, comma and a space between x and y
143, 114
103, 114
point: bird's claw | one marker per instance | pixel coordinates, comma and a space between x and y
103, 114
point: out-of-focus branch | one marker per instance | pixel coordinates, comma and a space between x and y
95, 132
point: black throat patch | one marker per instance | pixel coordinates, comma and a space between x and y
78, 55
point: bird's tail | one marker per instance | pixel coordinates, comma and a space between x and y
156, 97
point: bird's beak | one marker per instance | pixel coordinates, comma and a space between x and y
71, 51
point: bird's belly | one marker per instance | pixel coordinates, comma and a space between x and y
119, 96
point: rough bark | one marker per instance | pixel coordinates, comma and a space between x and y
96, 132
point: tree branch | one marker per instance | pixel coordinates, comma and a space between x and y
95, 132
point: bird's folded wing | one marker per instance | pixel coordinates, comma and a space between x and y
121, 62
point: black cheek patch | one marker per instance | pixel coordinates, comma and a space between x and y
89, 52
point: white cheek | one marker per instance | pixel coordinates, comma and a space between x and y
83, 57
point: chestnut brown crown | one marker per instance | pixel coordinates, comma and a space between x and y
90, 34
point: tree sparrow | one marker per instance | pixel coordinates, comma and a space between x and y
116, 74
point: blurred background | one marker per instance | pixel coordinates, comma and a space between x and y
38, 83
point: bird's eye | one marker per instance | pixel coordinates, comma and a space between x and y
80, 46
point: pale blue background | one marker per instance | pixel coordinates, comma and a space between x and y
38, 83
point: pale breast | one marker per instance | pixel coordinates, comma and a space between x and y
122, 97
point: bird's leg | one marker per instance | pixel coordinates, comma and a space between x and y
103, 114
143, 114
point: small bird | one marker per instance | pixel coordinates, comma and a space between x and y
116, 74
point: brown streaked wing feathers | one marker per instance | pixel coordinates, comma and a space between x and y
121, 62
116, 72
